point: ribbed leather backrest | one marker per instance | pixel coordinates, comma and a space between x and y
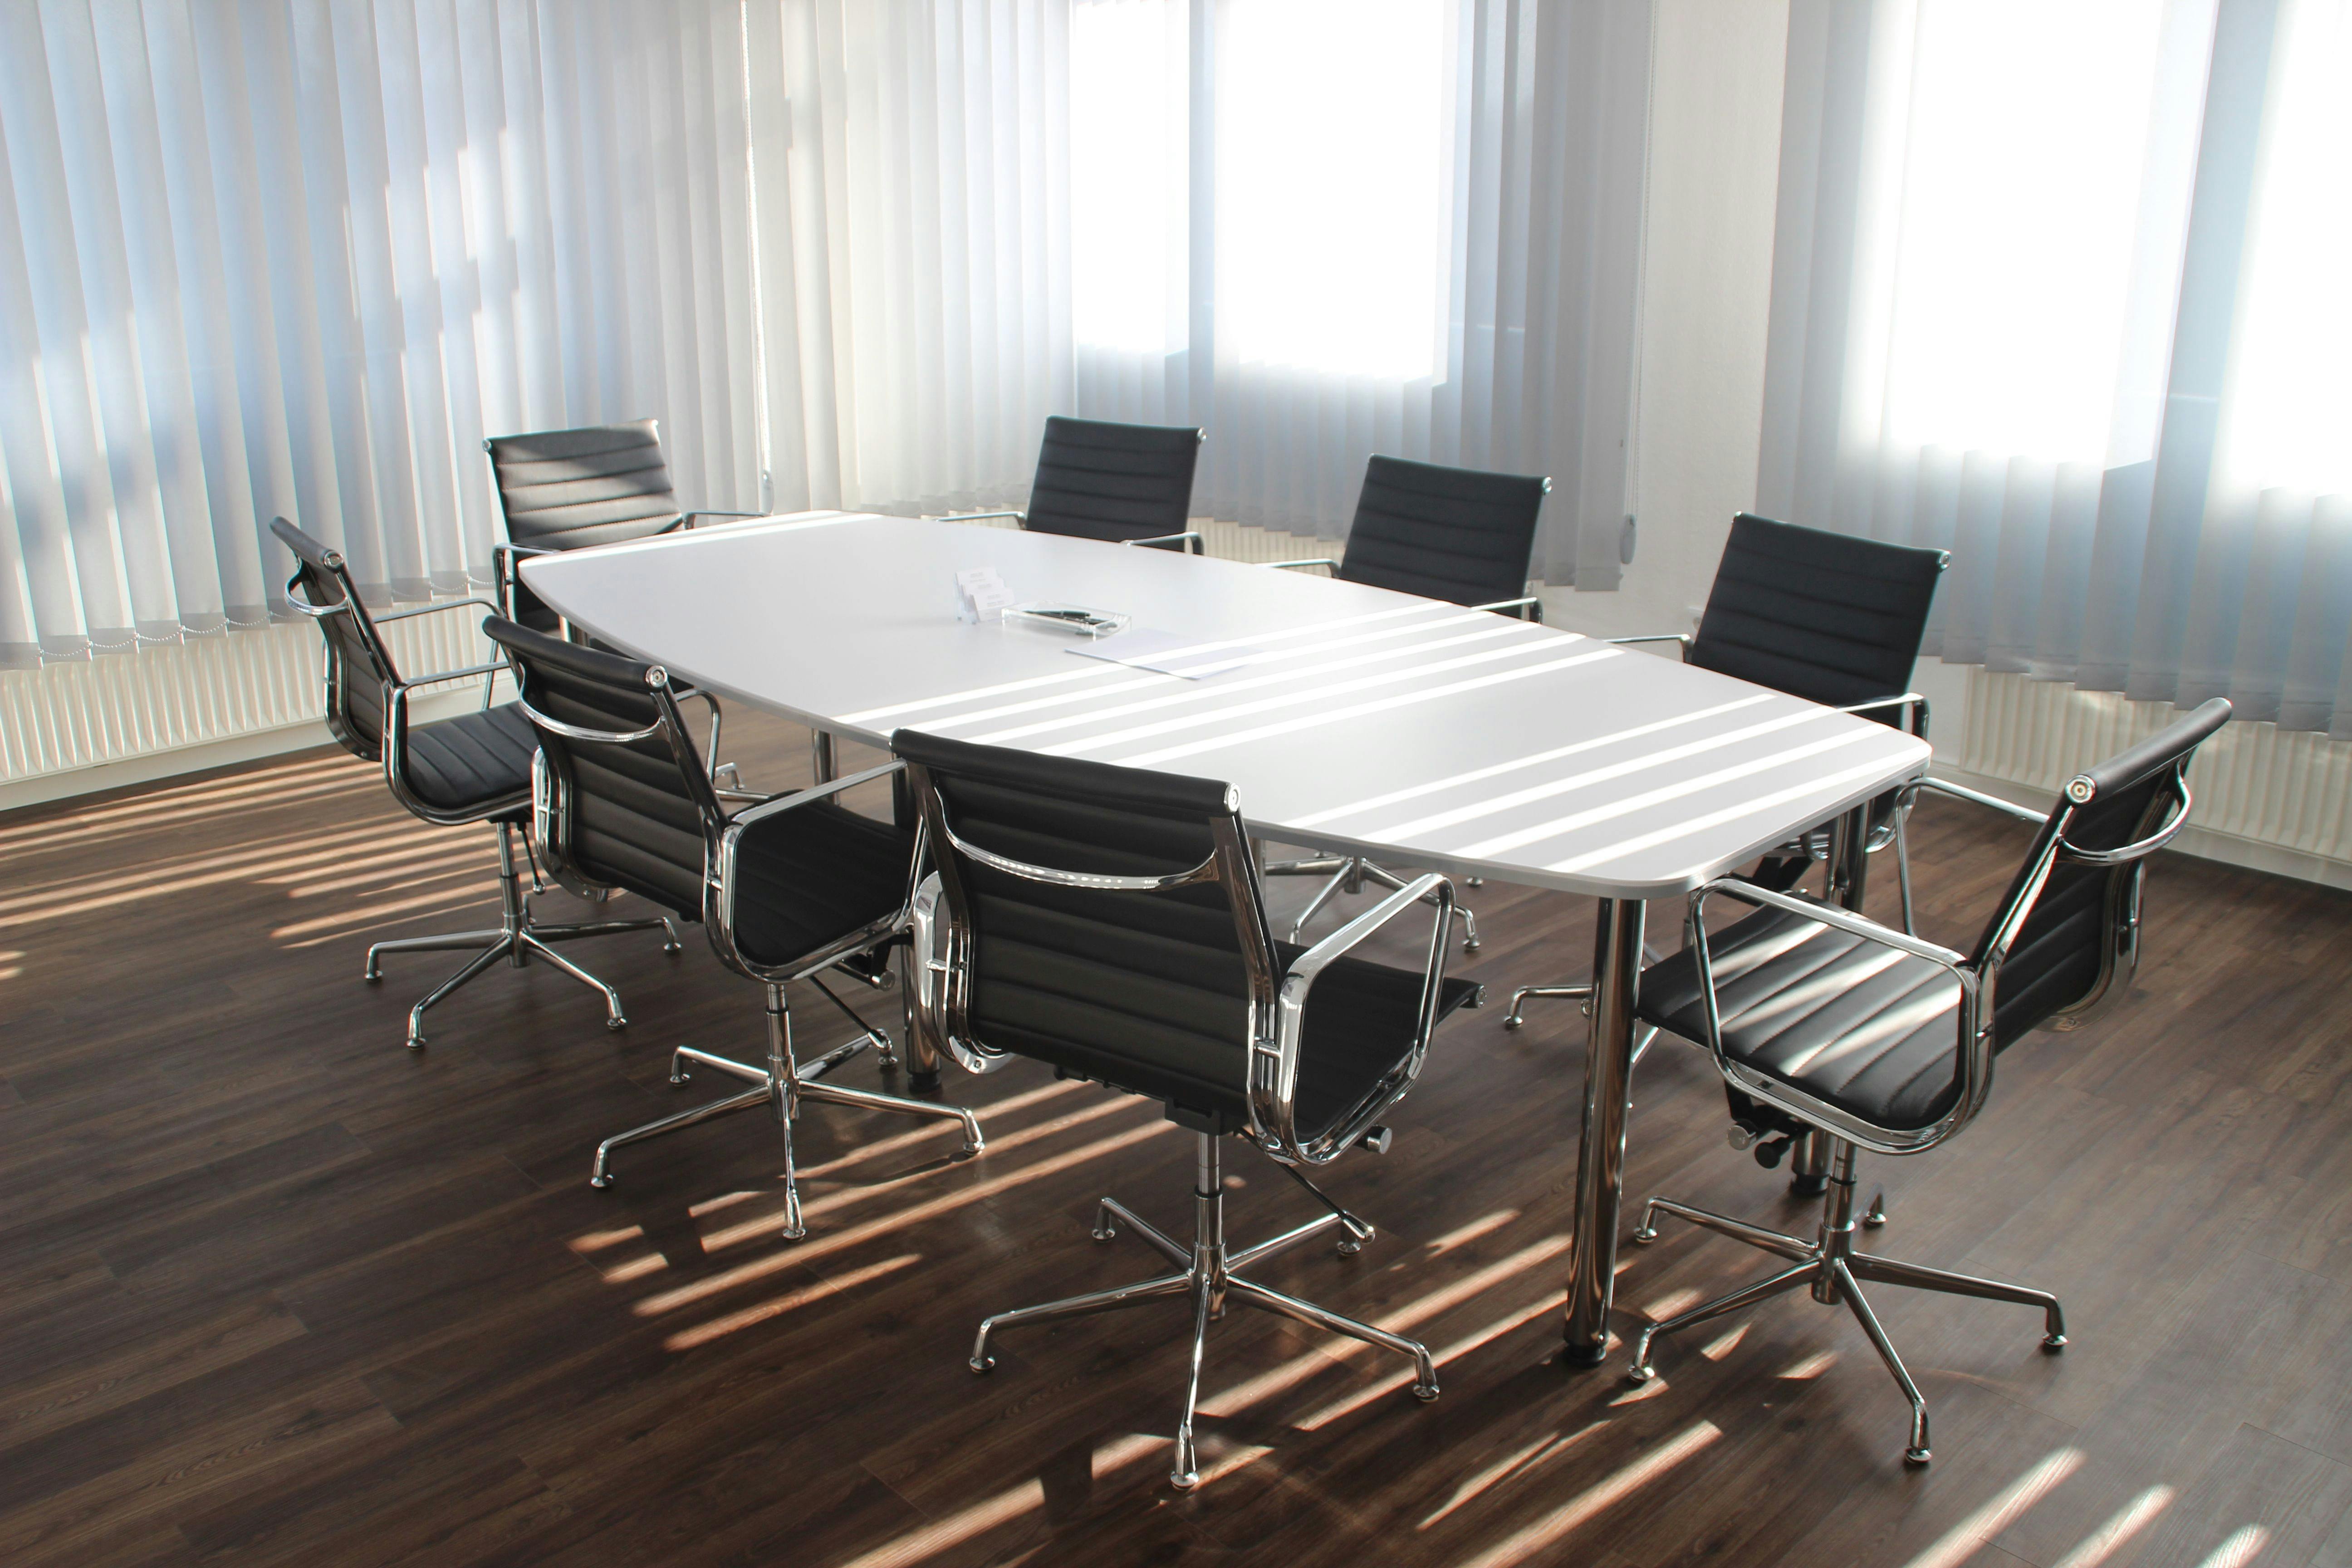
1444, 534
637, 816
564, 488
359, 668
1097, 480
1144, 990
2058, 959
1825, 616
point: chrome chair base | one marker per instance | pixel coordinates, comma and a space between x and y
1832, 1270
516, 940
782, 1085
1209, 1280
1348, 874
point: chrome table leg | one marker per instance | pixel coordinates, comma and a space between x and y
1601, 1153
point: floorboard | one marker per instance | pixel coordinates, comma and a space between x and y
274, 1290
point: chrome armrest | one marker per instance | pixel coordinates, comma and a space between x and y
1974, 1032
719, 894
1194, 544
686, 519
1020, 517
1294, 566
1681, 637
1530, 607
428, 609
1275, 1063
776, 805
1991, 802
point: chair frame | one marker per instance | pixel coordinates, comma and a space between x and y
1829, 1265
1275, 1012
783, 1082
516, 938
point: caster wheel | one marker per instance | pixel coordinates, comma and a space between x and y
1640, 1371
616, 1024
1106, 1233
1645, 1236
1183, 1480
601, 1183
1513, 1021
1349, 1247
2053, 1342
415, 1042
1424, 1392
982, 1365
1917, 1457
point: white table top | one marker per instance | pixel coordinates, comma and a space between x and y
1408, 729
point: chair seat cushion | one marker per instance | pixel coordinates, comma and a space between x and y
478, 762
806, 877
1855, 1025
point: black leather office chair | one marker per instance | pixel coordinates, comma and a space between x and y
1874, 1039
1828, 617
1106, 920
1130, 484
786, 889
565, 490
1445, 534
474, 767
569, 489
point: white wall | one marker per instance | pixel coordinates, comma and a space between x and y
1707, 281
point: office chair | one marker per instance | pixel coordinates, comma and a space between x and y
1131, 484
1828, 617
474, 767
1445, 534
786, 889
1108, 922
1830, 1023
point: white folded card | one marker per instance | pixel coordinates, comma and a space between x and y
1166, 653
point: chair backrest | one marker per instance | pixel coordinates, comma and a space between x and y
2067, 931
636, 812
360, 671
1097, 480
1445, 534
1150, 989
561, 490
1825, 616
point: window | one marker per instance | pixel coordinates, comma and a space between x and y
1129, 173
1332, 201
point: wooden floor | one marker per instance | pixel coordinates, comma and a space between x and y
274, 1289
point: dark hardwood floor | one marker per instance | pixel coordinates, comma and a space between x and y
274, 1289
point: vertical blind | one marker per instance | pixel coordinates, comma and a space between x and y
301, 256
1350, 227
2058, 288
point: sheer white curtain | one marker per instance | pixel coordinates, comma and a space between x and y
301, 256
2046, 293
1325, 228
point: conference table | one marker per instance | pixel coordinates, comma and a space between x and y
1351, 718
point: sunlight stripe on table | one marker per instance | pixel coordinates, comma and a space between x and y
1161, 701
1152, 681
1752, 808
971, 694
1293, 725
1296, 697
1533, 759
1554, 788
1561, 827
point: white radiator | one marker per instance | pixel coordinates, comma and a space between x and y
2277, 799
193, 697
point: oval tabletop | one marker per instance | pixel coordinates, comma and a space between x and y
1348, 718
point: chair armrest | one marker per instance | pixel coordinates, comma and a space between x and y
777, 805
686, 519
1295, 565
1274, 1066
1530, 607
1194, 544
1830, 915
1020, 517
488, 604
718, 895
1973, 1045
1914, 704
1991, 802
1681, 637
